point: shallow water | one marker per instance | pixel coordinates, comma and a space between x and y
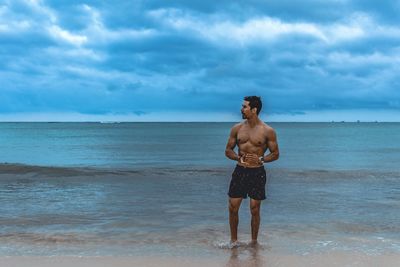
184, 211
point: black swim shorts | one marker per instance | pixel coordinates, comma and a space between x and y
248, 181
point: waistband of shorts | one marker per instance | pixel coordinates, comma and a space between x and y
249, 168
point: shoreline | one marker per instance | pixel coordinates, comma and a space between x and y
329, 259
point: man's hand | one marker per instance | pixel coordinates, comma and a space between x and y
250, 159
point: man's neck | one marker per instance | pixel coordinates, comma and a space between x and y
253, 121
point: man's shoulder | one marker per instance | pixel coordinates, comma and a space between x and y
268, 129
237, 126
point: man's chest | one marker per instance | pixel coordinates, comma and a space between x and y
254, 136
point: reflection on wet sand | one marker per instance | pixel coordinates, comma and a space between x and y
246, 256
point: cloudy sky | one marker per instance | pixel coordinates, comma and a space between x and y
310, 60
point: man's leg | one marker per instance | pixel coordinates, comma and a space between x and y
255, 218
234, 205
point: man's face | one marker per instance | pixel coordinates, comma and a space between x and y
246, 111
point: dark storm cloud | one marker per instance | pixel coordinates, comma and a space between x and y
154, 56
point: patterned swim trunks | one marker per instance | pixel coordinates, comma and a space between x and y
248, 182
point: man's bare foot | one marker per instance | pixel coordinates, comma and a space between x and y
253, 243
233, 244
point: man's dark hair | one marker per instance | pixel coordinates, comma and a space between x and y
254, 102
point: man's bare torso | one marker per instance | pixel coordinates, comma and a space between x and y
252, 142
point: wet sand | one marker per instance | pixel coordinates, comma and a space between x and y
234, 260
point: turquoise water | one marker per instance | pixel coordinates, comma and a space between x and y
333, 146
160, 188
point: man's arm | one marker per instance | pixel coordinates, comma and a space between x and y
272, 144
229, 152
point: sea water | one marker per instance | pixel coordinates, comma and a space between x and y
161, 188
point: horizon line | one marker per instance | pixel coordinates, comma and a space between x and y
116, 122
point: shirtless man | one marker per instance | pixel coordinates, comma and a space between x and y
253, 137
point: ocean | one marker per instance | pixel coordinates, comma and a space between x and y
161, 189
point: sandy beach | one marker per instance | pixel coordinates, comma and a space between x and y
325, 259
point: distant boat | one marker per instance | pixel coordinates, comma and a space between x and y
110, 122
